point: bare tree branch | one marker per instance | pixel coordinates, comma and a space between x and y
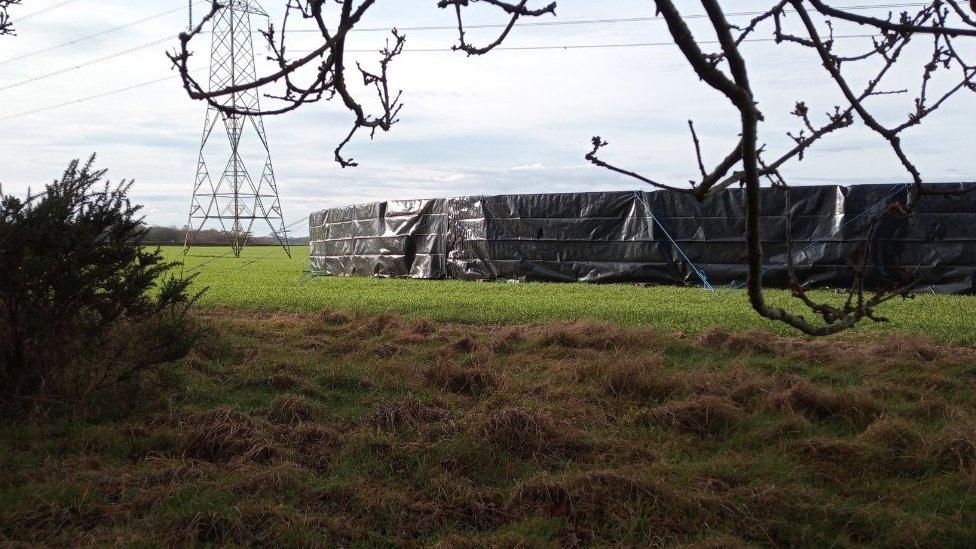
321, 74
6, 25
726, 71
514, 10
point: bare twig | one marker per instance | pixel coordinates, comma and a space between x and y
6, 25
805, 24
321, 74
515, 11
726, 71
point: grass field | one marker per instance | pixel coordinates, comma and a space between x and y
330, 429
264, 278
335, 412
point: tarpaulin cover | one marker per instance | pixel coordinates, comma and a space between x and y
653, 237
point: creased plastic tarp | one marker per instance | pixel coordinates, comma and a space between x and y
653, 237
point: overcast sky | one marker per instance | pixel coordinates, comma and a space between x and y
513, 121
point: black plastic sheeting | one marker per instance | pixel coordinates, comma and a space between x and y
656, 237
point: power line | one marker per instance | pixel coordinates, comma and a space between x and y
587, 46
81, 39
615, 20
571, 22
511, 48
86, 63
45, 10
429, 27
89, 98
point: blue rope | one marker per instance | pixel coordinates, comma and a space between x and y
899, 188
699, 272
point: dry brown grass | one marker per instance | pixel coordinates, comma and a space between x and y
333, 317
852, 405
381, 430
289, 408
367, 326
408, 411
205, 528
893, 350
308, 434
505, 338
955, 446
888, 447
593, 496
704, 415
465, 344
462, 380
642, 378
271, 479
753, 341
222, 435
895, 435
587, 335
932, 407
527, 432
285, 381
838, 459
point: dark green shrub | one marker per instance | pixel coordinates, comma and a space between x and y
83, 305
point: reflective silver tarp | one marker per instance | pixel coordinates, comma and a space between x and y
655, 237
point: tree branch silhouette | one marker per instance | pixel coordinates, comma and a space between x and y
6, 24
805, 24
325, 77
726, 71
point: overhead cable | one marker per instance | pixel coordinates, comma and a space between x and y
570, 22
87, 37
512, 48
45, 10
89, 98
86, 63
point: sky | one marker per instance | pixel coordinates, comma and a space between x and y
512, 121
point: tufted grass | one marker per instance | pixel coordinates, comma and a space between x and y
352, 430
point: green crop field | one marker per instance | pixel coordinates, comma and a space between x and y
265, 279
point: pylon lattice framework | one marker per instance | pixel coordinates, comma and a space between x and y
235, 199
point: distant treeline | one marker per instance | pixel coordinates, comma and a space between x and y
169, 236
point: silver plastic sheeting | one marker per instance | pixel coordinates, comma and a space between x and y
652, 237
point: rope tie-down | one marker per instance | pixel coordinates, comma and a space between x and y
897, 189
650, 214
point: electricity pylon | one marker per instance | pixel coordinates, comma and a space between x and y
235, 199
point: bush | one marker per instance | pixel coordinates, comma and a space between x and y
84, 305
